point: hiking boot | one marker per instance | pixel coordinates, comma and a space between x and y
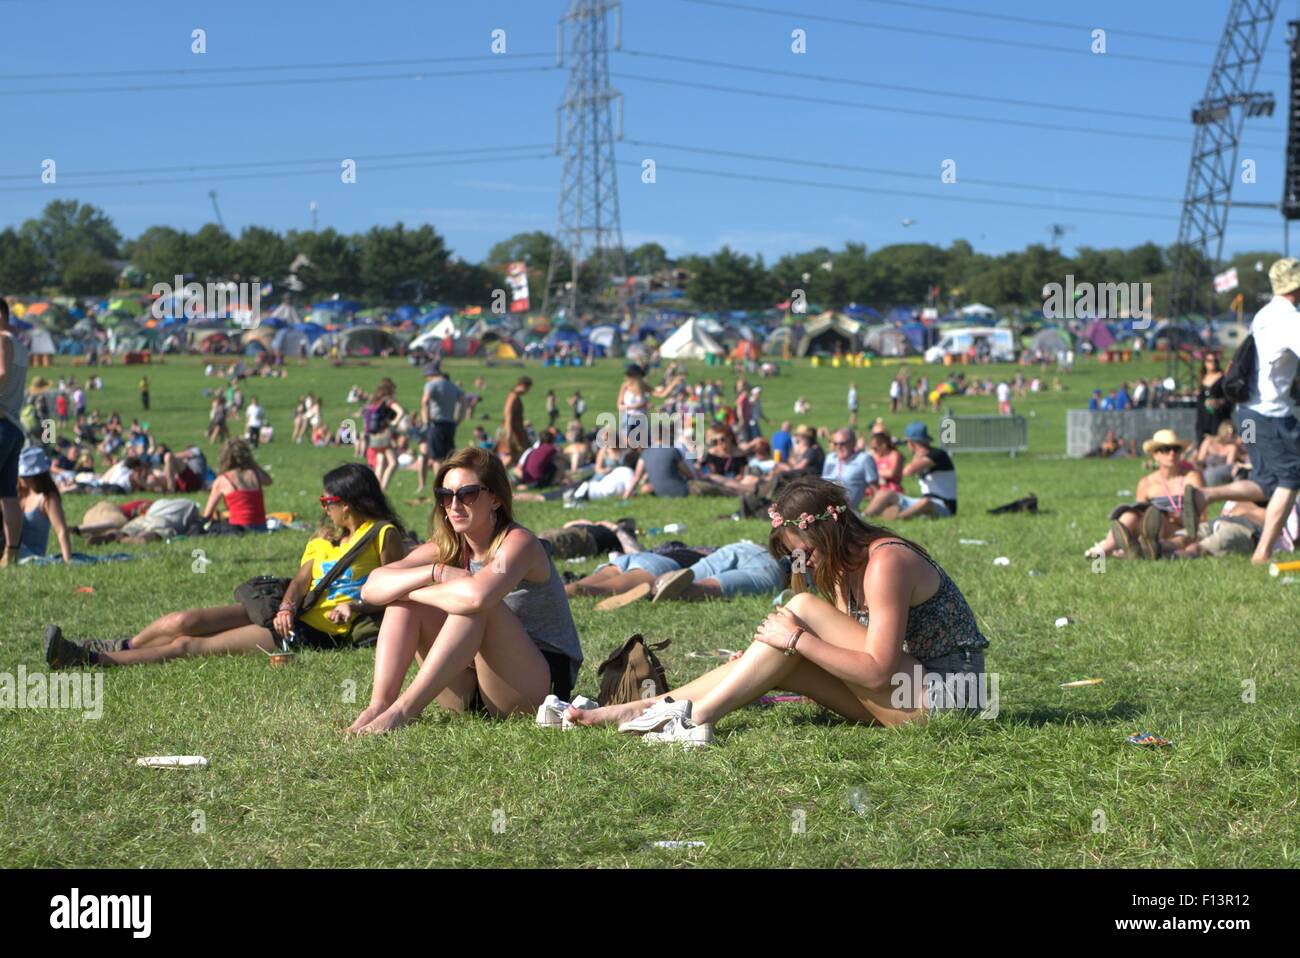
60, 653
1193, 506
106, 645
1149, 529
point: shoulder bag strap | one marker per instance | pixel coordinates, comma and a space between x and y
344, 563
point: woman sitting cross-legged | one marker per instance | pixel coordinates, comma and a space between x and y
892, 617
481, 605
353, 503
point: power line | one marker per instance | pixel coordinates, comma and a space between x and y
141, 87
951, 197
344, 64
943, 35
907, 174
1034, 22
200, 167
947, 94
912, 111
273, 175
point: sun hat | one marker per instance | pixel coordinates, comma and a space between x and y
917, 432
1284, 274
39, 384
1163, 437
32, 461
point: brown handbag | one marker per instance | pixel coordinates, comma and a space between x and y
632, 672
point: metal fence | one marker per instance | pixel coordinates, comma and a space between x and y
1084, 430
1008, 434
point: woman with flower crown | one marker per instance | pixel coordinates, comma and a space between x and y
886, 639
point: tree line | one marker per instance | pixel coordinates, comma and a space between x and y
75, 249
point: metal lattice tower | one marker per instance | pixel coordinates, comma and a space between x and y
1218, 117
589, 230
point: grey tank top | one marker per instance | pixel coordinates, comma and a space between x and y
15, 385
543, 609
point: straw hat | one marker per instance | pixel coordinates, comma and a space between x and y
39, 385
1166, 437
1285, 276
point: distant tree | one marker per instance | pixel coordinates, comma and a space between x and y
646, 259
69, 233
210, 254
84, 272
729, 280
397, 263
262, 254
22, 267
160, 253
334, 263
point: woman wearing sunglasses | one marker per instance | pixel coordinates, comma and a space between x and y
481, 606
352, 503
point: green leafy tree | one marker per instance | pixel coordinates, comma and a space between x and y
730, 280
71, 234
84, 272
22, 267
397, 263
333, 263
262, 254
160, 253
211, 254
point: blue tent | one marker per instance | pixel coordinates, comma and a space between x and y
563, 334
899, 314
310, 330
919, 335
862, 312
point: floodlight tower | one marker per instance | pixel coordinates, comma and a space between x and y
589, 230
1229, 99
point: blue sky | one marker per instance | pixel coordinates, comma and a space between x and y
180, 120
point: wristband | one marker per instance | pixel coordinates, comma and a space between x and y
436, 566
793, 640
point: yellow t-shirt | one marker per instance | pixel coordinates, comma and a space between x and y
322, 554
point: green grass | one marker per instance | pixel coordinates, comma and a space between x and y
1174, 643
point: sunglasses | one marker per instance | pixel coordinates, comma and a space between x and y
1167, 449
839, 442
327, 501
466, 494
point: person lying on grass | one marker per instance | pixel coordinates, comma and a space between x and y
481, 606
352, 502
677, 571
1169, 509
884, 614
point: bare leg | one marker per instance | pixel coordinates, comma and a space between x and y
1279, 508
246, 638
195, 622
922, 507
881, 501
610, 585
13, 521
407, 627
1243, 490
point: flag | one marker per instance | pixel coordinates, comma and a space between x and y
517, 278
1226, 281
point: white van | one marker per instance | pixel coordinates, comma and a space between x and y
955, 342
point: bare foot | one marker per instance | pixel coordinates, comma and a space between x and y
1260, 560
608, 714
385, 723
371, 713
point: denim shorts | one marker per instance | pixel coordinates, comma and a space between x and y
1275, 453
650, 562
11, 444
941, 509
742, 568
958, 683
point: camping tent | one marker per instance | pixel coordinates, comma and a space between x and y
1050, 342
286, 312
607, 339
447, 326
887, 341
690, 342
828, 332
365, 341
778, 340
977, 309
42, 343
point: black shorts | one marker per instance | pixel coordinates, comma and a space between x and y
1275, 453
310, 637
440, 437
561, 667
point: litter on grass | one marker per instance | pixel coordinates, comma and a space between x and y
972, 542
1063, 621
1124, 492
1147, 740
1002, 560
86, 589
173, 761
668, 844
711, 654
1081, 683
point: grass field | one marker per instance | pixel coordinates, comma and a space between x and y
1050, 782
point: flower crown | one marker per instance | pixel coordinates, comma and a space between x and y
805, 518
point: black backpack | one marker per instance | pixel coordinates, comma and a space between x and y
1240, 377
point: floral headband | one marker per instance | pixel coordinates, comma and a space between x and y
805, 518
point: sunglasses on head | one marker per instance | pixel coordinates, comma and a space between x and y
466, 494
328, 500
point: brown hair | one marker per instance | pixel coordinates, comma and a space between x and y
452, 548
235, 454
843, 543
1225, 431
386, 389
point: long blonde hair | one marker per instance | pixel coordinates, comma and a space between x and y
453, 550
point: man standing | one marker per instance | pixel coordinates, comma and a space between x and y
513, 414
1270, 412
144, 391
13, 387
441, 407
855, 471
853, 401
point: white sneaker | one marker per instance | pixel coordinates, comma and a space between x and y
683, 732
550, 714
657, 716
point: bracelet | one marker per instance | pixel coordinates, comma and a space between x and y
793, 640
436, 566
